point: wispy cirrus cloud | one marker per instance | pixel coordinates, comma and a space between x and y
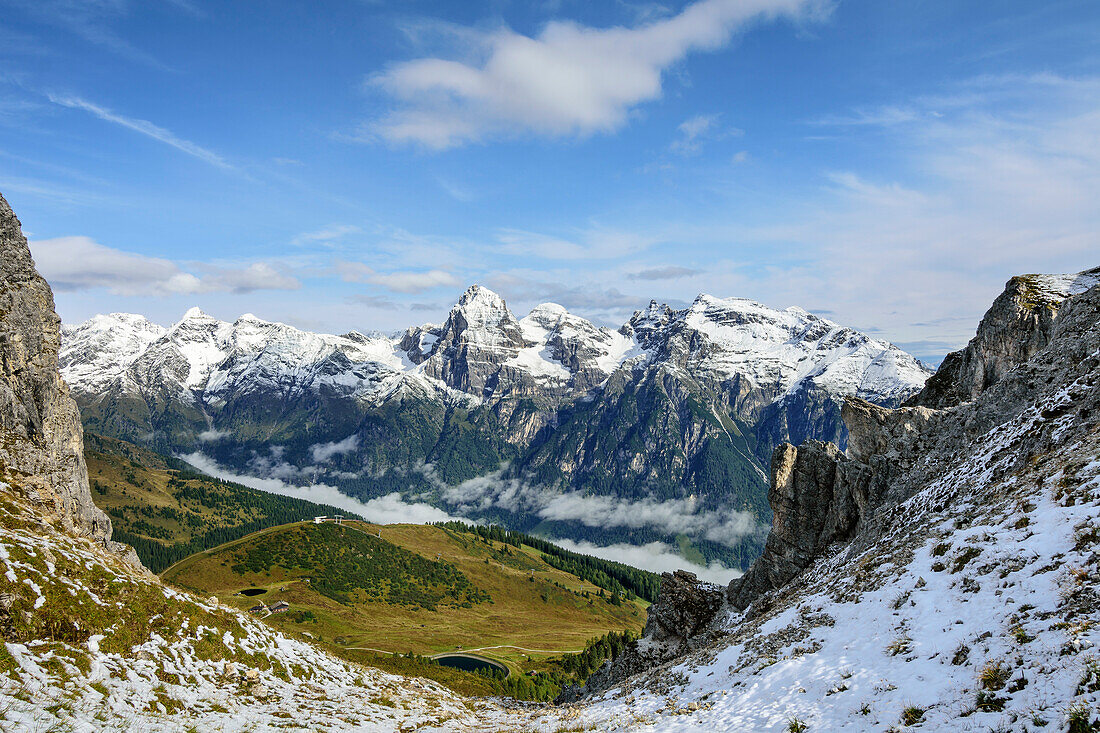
694, 132
144, 127
401, 281
593, 243
569, 80
91, 21
325, 235
1000, 176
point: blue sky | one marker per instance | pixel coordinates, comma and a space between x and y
356, 164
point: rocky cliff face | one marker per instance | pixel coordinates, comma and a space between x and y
820, 497
41, 440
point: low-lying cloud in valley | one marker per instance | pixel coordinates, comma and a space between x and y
656, 557
389, 509
674, 516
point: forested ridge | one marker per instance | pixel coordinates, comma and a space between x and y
167, 511
349, 565
620, 580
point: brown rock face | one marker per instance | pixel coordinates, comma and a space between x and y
818, 497
41, 440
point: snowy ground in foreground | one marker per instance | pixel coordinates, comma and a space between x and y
194, 666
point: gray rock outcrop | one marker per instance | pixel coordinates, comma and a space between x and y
684, 618
1017, 326
41, 439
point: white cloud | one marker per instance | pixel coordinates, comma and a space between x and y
656, 557
207, 436
143, 127
675, 516
406, 281
324, 452
568, 80
696, 131
389, 509
79, 263
73, 264
256, 276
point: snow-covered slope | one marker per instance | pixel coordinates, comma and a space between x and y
99, 350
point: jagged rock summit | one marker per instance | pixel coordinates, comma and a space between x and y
1018, 325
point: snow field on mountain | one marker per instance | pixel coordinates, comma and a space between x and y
785, 348
774, 349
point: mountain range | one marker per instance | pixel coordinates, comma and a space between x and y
659, 430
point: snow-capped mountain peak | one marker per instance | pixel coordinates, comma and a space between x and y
480, 306
778, 351
714, 338
194, 313
106, 346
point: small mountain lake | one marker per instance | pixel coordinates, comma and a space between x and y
253, 591
469, 663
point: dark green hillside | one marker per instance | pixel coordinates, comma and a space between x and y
348, 565
618, 579
167, 511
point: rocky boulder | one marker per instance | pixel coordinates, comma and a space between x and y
685, 608
686, 616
